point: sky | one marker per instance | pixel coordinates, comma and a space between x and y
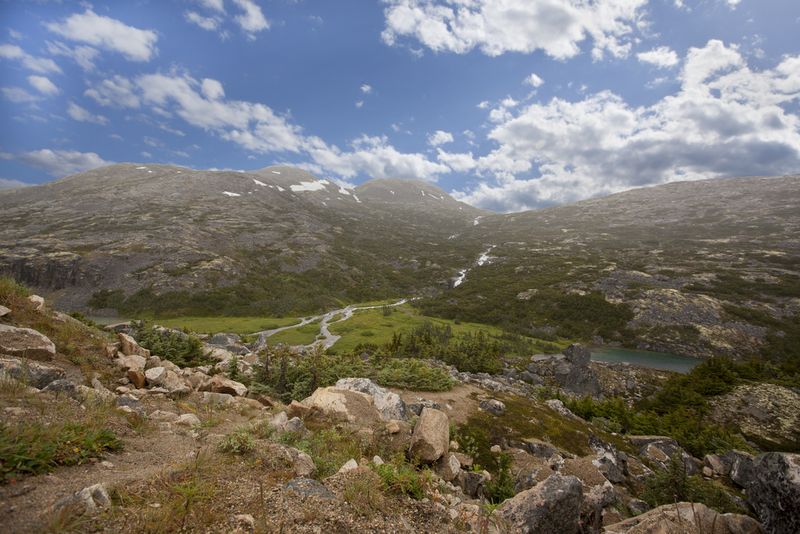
506, 104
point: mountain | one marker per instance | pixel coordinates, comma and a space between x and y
276, 240
701, 268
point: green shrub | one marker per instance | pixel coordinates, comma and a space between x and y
33, 448
403, 478
181, 349
501, 487
240, 441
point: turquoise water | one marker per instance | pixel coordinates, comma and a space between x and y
644, 358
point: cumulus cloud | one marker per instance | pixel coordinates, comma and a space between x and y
207, 23
117, 91
556, 27
212, 89
84, 115
725, 120
440, 137
250, 18
534, 80
62, 162
5, 183
36, 64
662, 57
107, 33
83, 55
366, 89
43, 85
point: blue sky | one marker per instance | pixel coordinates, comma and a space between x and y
507, 104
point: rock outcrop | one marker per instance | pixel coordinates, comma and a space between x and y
352, 406
686, 518
389, 404
25, 343
569, 370
551, 507
774, 492
32, 373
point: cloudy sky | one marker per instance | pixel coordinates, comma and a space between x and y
507, 104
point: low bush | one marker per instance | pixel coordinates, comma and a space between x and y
240, 441
400, 477
180, 348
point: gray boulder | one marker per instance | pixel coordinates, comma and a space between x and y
220, 384
89, 500
493, 406
308, 487
739, 467
551, 507
431, 437
25, 343
32, 373
686, 518
577, 354
774, 492
4, 311
389, 404
129, 346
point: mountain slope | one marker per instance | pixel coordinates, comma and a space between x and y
276, 240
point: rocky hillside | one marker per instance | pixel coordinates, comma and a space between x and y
133, 441
698, 268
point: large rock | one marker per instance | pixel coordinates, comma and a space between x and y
431, 437
87, 501
493, 406
230, 342
220, 384
686, 518
389, 404
31, 373
551, 507
129, 346
738, 466
343, 403
4, 311
577, 354
774, 492
25, 343
661, 449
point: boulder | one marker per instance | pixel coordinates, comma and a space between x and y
348, 466
128, 346
303, 465
155, 376
295, 425
551, 507
278, 421
4, 311
448, 467
188, 419
25, 343
431, 437
493, 406
558, 406
229, 342
37, 301
134, 361
217, 399
352, 406
89, 500
137, 378
389, 404
661, 449
686, 518
297, 409
32, 373
220, 384
62, 386
473, 482
739, 466
577, 354
308, 487
774, 492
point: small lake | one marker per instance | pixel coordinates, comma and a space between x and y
644, 358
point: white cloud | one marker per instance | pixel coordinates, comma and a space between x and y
43, 85
733, 3
214, 5
725, 120
5, 183
36, 64
534, 80
18, 95
84, 56
662, 57
111, 34
440, 137
359, 104
83, 115
116, 92
62, 162
556, 27
212, 89
251, 19
207, 23
463, 162
366, 89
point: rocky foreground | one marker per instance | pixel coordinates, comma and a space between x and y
197, 451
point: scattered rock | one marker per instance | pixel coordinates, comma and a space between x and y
739, 466
25, 343
389, 404
37, 301
348, 466
137, 378
32, 373
4, 311
188, 419
431, 437
298, 409
661, 449
220, 384
217, 399
243, 524
308, 487
577, 354
638, 506
134, 361
278, 421
558, 406
129, 346
550, 507
686, 518
448, 467
472, 482
303, 465
774, 492
295, 425
493, 406
155, 376
62, 386
87, 501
